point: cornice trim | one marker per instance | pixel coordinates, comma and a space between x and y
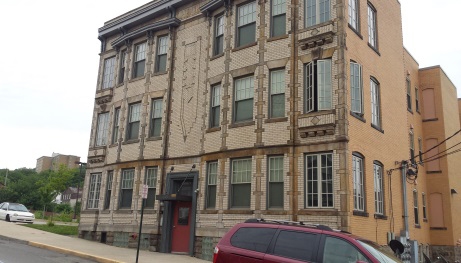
173, 22
211, 6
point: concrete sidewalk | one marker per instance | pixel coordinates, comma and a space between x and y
83, 248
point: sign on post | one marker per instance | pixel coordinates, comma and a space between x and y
145, 188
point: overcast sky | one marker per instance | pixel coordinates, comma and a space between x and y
49, 66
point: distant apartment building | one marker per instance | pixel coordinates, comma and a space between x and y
307, 111
56, 159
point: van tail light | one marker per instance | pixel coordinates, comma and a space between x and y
215, 254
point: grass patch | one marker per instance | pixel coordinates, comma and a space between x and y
57, 229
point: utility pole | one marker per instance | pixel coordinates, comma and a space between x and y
78, 188
6, 176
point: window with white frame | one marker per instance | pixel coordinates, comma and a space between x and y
93, 191
375, 104
219, 35
115, 125
156, 117
319, 180
278, 18
240, 183
417, 99
357, 181
215, 105
275, 189
134, 117
109, 67
415, 206
317, 11
211, 184
379, 188
356, 89
162, 48
408, 94
277, 94
126, 188
423, 197
151, 181
121, 71
372, 30
102, 130
318, 90
354, 14
110, 178
246, 24
420, 149
243, 99
139, 60
412, 147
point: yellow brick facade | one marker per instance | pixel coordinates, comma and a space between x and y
335, 130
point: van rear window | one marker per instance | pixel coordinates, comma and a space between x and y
253, 238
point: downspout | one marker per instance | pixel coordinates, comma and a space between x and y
294, 116
404, 200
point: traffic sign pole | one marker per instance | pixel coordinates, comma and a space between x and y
144, 197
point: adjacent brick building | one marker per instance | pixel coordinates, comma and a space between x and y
306, 111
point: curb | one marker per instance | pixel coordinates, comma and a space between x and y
73, 253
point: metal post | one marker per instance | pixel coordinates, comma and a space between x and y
78, 188
6, 176
140, 228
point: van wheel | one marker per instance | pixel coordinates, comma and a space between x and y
7, 219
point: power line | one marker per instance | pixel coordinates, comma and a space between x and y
438, 144
440, 157
420, 162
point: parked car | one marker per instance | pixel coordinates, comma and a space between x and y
272, 241
14, 212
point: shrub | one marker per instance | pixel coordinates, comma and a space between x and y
50, 223
63, 208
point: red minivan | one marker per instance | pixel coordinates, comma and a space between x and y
275, 241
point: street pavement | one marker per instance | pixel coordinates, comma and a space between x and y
91, 250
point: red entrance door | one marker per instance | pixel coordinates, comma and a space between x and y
181, 227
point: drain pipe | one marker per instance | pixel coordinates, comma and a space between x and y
404, 232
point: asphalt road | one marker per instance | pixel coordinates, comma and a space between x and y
13, 252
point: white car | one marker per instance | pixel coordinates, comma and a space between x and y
14, 212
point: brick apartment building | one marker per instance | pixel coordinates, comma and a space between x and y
56, 159
305, 110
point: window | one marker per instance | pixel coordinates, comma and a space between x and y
133, 121
379, 188
121, 72
115, 125
162, 47
215, 105
408, 95
318, 93
417, 99
219, 35
375, 104
412, 148
423, 196
108, 79
101, 133
151, 181
243, 110
420, 149
110, 178
319, 180
357, 181
354, 14
356, 88
126, 189
241, 183
317, 11
415, 206
277, 94
93, 192
246, 24
296, 245
278, 18
211, 182
275, 195
339, 250
139, 60
253, 238
156, 118
372, 32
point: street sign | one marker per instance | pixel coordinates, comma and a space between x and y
145, 188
